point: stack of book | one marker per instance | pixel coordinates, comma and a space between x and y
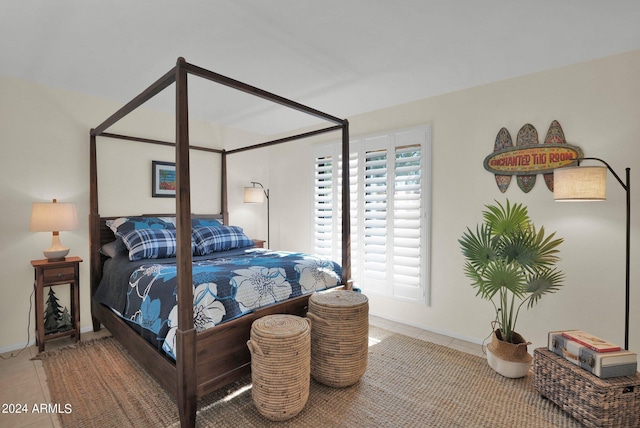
597, 356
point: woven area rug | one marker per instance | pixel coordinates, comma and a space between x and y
408, 383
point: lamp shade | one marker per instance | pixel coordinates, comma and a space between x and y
253, 195
580, 183
52, 216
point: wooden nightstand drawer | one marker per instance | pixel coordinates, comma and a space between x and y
58, 274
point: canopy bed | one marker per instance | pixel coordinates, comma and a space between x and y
201, 361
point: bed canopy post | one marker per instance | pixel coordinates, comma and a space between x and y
186, 333
346, 210
94, 223
224, 208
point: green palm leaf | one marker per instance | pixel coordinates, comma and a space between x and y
546, 282
502, 275
506, 220
477, 247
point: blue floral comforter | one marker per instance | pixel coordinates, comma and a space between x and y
226, 286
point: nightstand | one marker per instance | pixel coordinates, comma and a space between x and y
49, 274
258, 243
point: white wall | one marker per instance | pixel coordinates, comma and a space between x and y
44, 139
597, 105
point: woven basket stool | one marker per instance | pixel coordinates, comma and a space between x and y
280, 347
595, 402
339, 337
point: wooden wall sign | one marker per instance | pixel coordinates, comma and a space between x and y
528, 158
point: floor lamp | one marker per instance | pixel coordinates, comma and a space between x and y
588, 183
256, 195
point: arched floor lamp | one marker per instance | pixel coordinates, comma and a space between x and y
256, 195
588, 183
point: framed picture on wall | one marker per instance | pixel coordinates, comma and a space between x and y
163, 179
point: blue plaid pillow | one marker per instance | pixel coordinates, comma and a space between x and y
221, 238
123, 225
151, 243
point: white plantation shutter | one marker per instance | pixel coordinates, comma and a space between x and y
389, 207
324, 205
407, 221
374, 214
353, 185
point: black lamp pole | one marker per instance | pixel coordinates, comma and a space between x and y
627, 187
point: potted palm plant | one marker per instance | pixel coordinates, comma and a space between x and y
512, 264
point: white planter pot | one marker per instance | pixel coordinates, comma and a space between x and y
510, 369
509, 359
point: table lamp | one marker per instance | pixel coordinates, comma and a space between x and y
54, 217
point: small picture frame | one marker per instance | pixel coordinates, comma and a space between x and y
163, 179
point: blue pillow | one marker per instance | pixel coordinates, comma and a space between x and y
151, 243
124, 225
220, 238
202, 222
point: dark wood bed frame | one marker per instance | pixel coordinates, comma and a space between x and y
210, 359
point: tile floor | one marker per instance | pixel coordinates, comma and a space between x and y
23, 381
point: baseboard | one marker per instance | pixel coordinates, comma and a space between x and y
32, 342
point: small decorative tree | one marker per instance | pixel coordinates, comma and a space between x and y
65, 320
52, 313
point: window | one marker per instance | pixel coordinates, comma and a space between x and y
389, 184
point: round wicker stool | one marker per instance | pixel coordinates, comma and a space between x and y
280, 347
339, 337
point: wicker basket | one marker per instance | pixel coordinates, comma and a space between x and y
280, 347
339, 337
595, 402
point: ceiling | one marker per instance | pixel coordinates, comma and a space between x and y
343, 57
